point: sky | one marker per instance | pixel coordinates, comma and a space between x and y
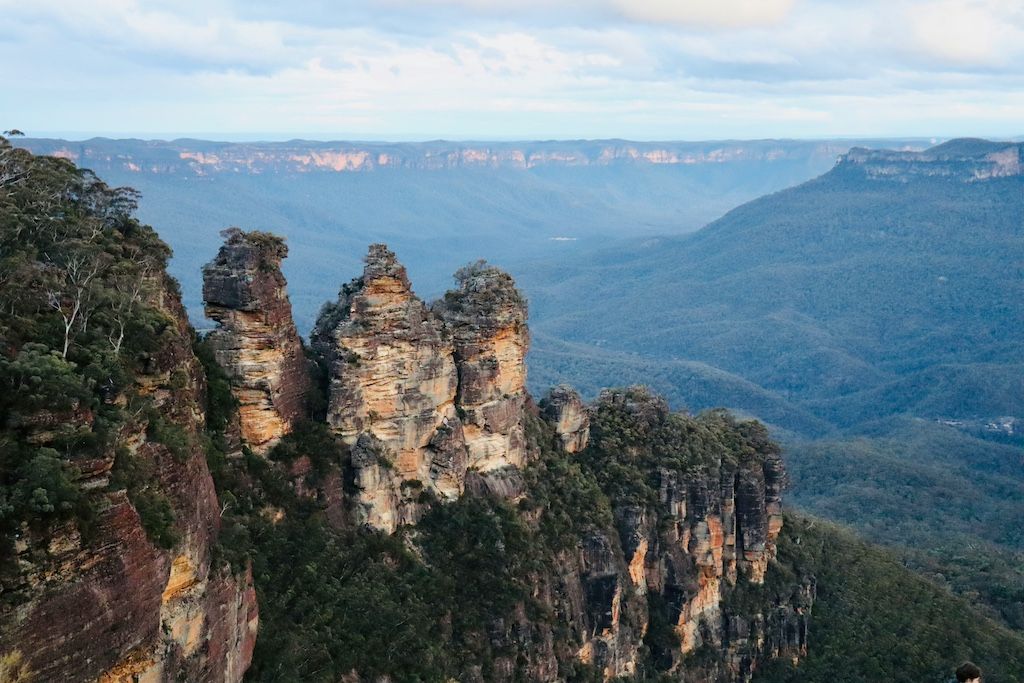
513, 69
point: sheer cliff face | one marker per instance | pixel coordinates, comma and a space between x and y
964, 160
393, 380
438, 394
698, 534
565, 411
256, 341
487, 318
115, 607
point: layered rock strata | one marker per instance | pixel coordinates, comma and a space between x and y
423, 395
256, 341
565, 411
709, 535
392, 392
487, 318
115, 607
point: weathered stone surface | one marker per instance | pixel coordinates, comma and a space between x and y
614, 644
565, 411
392, 376
712, 531
115, 607
393, 373
256, 341
440, 390
487, 318
379, 499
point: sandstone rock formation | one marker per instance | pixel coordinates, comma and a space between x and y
392, 392
439, 391
487, 317
709, 534
256, 341
432, 404
115, 607
565, 411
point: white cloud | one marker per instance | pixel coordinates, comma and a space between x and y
702, 13
723, 13
641, 68
968, 32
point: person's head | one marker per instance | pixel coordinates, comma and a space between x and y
968, 673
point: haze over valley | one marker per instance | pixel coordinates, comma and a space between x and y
512, 341
438, 204
867, 307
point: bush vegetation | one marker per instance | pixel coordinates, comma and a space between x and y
78, 274
874, 619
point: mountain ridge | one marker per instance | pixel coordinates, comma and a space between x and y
298, 513
889, 307
203, 157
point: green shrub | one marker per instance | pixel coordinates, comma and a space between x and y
174, 437
157, 516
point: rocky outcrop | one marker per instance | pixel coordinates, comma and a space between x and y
392, 392
565, 411
422, 395
487, 318
709, 535
432, 403
965, 160
256, 341
114, 606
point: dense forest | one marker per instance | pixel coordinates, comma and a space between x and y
92, 338
873, 320
77, 275
878, 621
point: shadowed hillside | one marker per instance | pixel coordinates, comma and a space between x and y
873, 315
440, 204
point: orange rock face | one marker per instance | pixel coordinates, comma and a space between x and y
712, 528
392, 393
115, 607
256, 341
564, 410
424, 395
487, 318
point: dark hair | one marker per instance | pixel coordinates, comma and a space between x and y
967, 672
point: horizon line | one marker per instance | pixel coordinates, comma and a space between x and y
242, 138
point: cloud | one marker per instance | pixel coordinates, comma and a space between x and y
498, 68
723, 13
968, 32
699, 13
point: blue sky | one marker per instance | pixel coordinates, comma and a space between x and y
505, 69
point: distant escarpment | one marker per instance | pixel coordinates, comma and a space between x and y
565, 541
962, 159
402, 508
205, 158
110, 522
